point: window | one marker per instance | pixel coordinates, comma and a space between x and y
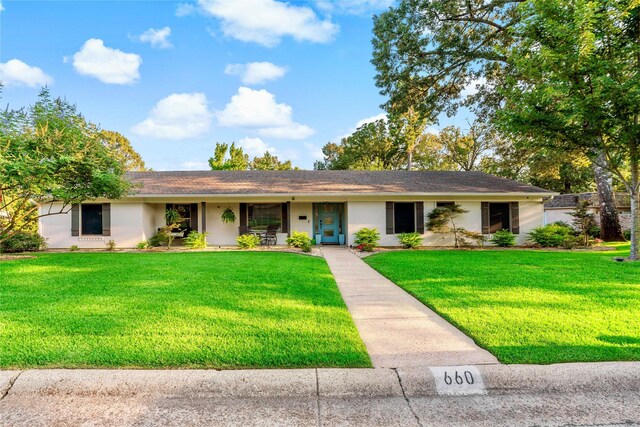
264, 214
445, 204
92, 219
499, 217
404, 217
185, 216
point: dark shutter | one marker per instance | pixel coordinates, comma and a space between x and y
194, 217
515, 217
106, 219
243, 214
204, 217
285, 217
75, 220
420, 217
389, 217
486, 229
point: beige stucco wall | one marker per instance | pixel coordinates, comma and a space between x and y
133, 222
372, 214
127, 228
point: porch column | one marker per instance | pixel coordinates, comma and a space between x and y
203, 214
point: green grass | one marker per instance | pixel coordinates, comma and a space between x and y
529, 306
206, 309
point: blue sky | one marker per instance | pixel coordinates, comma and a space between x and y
176, 77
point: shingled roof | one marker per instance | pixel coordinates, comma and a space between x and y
323, 182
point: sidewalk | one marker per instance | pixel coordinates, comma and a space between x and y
566, 394
397, 329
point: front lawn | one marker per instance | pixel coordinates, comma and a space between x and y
529, 306
206, 309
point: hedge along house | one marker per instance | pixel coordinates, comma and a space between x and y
330, 204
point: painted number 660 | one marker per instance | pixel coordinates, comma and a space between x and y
458, 379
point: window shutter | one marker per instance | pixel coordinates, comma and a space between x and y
204, 217
285, 217
515, 217
194, 217
420, 217
389, 217
485, 218
75, 220
243, 214
106, 219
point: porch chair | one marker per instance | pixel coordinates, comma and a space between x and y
270, 237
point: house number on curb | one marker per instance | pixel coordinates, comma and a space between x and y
458, 380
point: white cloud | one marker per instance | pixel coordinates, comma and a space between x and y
472, 87
267, 21
354, 7
1, 7
255, 147
314, 152
185, 9
106, 64
259, 110
16, 73
253, 73
381, 116
194, 165
157, 38
178, 116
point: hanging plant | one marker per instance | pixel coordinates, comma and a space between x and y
228, 216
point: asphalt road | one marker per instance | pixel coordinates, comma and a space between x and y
594, 394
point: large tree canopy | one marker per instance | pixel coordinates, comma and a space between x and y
50, 156
121, 148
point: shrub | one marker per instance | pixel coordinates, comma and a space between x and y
551, 235
74, 248
196, 240
248, 241
23, 242
570, 241
157, 239
142, 245
479, 238
503, 238
627, 234
367, 239
111, 245
300, 239
410, 240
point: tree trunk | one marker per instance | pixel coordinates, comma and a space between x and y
610, 229
410, 160
635, 203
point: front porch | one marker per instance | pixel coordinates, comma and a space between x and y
323, 221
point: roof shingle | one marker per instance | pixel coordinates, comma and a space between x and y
323, 182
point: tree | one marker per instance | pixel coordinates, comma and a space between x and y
583, 220
438, 55
269, 162
577, 80
121, 148
237, 159
465, 151
443, 220
50, 159
371, 147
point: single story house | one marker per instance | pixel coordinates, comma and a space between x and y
330, 204
560, 208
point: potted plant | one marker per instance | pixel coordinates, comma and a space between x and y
228, 216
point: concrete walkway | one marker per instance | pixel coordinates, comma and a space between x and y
398, 330
515, 395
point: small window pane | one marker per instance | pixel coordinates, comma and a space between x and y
404, 216
264, 214
92, 219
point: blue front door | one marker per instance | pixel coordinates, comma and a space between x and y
329, 222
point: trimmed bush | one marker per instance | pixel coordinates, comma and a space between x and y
142, 245
367, 239
111, 245
627, 234
73, 248
551, 235
248, 241
196, 240
410, 240
301, 240
503, 238
157, 239
23, 242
